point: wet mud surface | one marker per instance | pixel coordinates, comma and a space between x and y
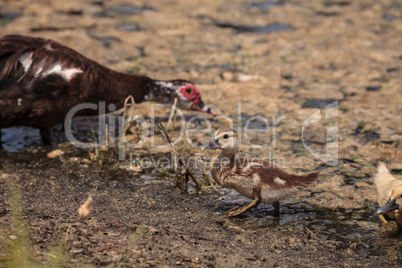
266, 66
145, 220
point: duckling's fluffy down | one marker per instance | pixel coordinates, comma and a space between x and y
385, 182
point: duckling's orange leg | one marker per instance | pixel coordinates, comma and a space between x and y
245, 208
382, 219
233, 208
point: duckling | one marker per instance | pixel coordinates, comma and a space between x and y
389, 195
256, 179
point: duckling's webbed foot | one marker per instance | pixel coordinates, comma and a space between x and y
232, 209
233, 213
382, 219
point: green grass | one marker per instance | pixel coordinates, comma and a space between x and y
19, 249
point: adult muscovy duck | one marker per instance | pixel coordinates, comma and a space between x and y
41, 80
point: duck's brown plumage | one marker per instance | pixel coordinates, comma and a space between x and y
41, 80
259, 180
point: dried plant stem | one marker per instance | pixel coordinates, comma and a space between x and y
167, 173
309, 232
172, 114
128, 117
97, 153
129, 107
206, 176
107, 137
175, 163
188, 173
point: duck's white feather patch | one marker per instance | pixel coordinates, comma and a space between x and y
48, 46
279, 181
39, 68
26, 60
56, 68
164, 84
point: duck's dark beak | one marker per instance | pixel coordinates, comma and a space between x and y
214, 144
390, 206
202, 107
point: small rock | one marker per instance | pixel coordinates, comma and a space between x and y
55, 153
76, 250
227, 76
135, 168
246, 77
74, 159
85, 161
86, 208
373, 88
318, 103
194, 74
12, 237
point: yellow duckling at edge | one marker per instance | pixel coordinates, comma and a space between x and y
389, 195
256, 179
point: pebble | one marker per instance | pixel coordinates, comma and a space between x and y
12, 237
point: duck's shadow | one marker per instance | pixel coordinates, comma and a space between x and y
18, 138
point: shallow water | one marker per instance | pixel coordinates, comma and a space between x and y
15, 139
9, 16
266, 29
121, 10
19, 138
128, 27
360, 226
264, 5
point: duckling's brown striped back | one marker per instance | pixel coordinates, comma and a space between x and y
268, 173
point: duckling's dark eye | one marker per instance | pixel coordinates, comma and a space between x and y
226, 136
189, 91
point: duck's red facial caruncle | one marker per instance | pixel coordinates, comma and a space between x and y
189, 92
190, 99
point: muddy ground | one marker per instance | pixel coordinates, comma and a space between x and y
283, 62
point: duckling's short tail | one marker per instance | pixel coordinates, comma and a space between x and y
309, 178
304, 180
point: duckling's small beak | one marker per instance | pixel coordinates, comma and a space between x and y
214, 144
390, 206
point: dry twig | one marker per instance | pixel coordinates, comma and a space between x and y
309, 232
206, 176
129, 107
188, 173
172, 114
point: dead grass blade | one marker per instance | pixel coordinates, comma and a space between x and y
172, 114
188, 173
309, 233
